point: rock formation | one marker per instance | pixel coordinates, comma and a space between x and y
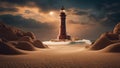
26, 38
117, 29
108, 39
24, 46
39, 44
30, 34
11, 38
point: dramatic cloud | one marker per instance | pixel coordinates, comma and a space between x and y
42, 16
8, 10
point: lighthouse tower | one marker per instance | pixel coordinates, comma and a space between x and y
62, 31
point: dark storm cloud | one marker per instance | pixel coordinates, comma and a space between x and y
8, 9
82, 13
44, 4
55, 4
22, 22
15, 1
104, 11
109, 12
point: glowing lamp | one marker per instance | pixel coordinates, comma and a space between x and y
62, 9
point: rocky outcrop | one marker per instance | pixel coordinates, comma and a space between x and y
39, 44
26, 38
17, 39
117, 29
30, 34
101, 42
24, 46
108, 39
7, 32
11, 33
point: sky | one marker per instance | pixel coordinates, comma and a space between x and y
86, 19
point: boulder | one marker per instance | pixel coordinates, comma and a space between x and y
117, 29
9, 33
112, 36
26, 38
24, 45
30, 34
39, 44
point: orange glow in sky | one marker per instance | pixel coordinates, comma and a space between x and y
51, 13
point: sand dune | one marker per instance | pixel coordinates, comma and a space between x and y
112, 48
7, 49
63, 56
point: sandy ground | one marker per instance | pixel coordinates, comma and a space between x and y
62, 56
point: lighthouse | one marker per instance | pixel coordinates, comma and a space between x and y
62, 30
